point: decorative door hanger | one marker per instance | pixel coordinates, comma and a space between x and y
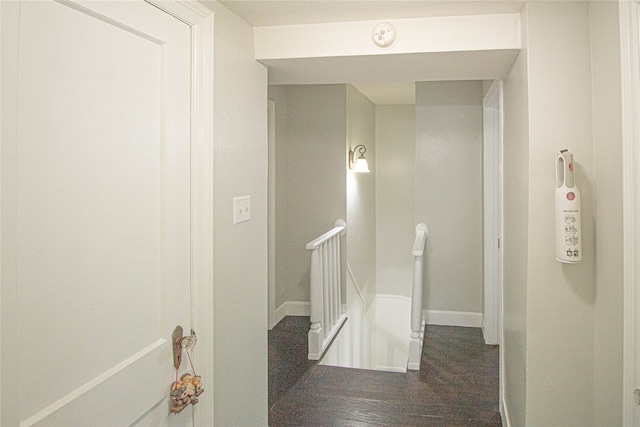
186, 389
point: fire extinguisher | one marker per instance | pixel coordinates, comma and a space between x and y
568, 220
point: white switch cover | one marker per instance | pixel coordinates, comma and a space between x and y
241, 209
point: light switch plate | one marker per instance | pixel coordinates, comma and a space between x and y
241, 209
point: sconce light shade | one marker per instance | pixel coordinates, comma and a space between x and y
360, 164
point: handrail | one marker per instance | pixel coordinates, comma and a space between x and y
339, 227
422, 232
355, 283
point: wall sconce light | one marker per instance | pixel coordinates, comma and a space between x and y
360, 164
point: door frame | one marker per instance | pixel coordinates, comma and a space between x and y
201, 21
630, 48
492, 112
492, 197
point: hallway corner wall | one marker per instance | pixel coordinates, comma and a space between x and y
240, 251
515, 236
449, 192
395, 198
563, 323
609, 233
278, 94
361, 194
310, 178
560, 297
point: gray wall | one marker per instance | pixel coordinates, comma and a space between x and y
310, 177
278, 94
515, 234
361, 194
563, 323
395, 198
240, 251
449, 192
607, 149
560, 297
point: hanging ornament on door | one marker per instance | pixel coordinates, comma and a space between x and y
184, 391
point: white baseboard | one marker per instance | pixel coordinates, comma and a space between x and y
292, 308
452, 318
391, 369
396, 297
430, 317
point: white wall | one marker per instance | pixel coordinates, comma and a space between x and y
278, 94
353, 347
515, 235
240, 168
361, 194
395, 198
310, 177
560, 297
607, 149
562, 325
449, 192
416, 35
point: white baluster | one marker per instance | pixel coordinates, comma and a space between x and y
338, 273
415, 344
326, 321
336, 279
335, 282
316, 334
325, 298
416, 298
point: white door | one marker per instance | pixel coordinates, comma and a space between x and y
95, 199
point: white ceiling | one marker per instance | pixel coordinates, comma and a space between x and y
288, 12
395, 93
399, 89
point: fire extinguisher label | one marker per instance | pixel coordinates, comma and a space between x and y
568, 220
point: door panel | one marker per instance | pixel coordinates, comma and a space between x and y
99, 168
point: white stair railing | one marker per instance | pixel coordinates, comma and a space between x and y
417, 327
326, 311
355, 284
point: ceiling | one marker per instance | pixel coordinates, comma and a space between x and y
289, 12
398, 89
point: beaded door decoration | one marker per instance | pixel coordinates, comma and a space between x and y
186, 389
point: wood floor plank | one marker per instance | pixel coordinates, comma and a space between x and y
457, 385
288, 360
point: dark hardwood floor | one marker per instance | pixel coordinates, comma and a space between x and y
456, 386
288, 360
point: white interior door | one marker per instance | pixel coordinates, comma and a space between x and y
95, 211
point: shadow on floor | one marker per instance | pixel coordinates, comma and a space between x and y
456, 386
288, 360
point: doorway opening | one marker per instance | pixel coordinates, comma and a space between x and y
392, 211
